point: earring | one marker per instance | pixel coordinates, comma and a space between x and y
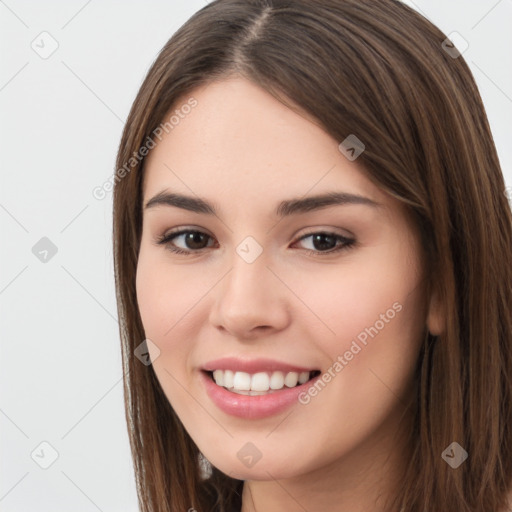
205, 467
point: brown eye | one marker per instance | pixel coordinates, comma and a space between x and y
325, 242
195, 239
192, 240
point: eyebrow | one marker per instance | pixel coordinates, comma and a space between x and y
284, 208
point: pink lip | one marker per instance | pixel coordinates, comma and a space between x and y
253, 407
253, 365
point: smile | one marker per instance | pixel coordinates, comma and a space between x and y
260, 383
257, 392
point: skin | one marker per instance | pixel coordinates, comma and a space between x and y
245, 151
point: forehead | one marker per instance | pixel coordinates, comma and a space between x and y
239, 139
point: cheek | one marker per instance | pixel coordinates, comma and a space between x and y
378, 319
166, 295
164, 298
361, 299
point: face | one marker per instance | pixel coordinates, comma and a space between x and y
308, 313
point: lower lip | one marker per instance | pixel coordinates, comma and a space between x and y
253, 407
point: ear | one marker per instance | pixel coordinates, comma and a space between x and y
436, 317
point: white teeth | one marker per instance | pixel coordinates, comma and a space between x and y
291, 379
228, 378
218, 375
277, 380
258, 383
242, 381
303, 377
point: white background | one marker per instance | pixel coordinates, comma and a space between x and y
61, 120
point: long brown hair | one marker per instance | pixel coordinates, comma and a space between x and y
379, 70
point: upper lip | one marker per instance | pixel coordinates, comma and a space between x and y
253, 365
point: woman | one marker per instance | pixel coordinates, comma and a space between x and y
312, 247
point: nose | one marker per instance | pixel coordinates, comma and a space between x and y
250, 300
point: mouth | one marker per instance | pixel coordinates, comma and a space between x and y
260, 383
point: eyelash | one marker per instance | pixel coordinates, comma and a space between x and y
166, 239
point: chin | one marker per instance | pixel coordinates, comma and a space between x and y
270, 468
